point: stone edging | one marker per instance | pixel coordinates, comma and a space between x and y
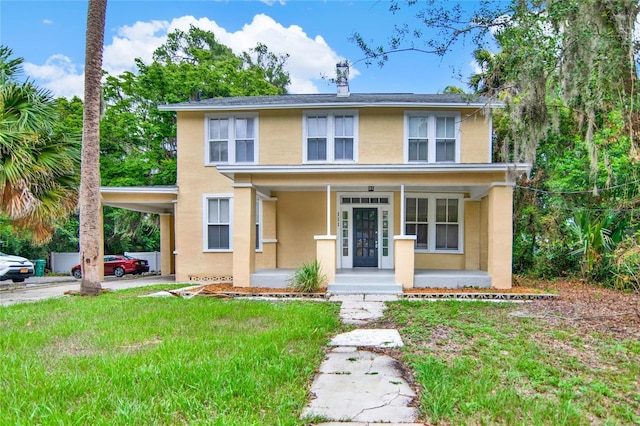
479, 296
408, 296
278, 295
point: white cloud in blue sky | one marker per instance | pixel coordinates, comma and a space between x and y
310, 57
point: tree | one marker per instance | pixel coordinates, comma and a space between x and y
38, 159
138, 141
90, 203
565, 71
578, 55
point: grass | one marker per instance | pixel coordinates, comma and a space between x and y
477, 365
119, 359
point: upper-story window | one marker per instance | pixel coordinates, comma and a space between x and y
330, 137
231, 138
432, 137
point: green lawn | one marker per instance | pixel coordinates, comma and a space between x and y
123, 360
478, 365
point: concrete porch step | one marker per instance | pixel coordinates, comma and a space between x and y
365, 276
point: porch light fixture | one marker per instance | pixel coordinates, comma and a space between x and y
370, 189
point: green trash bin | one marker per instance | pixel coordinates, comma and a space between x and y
39, 266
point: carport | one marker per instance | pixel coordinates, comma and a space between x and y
149, 199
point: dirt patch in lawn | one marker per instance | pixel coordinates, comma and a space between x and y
588, 308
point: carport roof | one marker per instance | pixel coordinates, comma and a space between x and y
146, 199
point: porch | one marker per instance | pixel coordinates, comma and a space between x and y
377, 281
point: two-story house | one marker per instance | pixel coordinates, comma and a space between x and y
372, 185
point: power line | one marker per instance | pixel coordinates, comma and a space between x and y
590, 191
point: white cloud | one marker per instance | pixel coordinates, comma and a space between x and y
136, 41
59, 74
47, 21
475, 67
310, 57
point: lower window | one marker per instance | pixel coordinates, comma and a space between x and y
218, 224
435, 221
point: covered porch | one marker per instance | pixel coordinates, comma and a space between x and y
338, 214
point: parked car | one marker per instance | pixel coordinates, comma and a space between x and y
15, 268
117, 265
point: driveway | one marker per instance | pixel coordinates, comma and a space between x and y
41, 288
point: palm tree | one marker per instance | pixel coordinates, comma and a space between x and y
38, 167
90, 204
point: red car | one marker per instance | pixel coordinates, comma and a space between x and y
117, 265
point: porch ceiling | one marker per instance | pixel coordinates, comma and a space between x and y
146, 199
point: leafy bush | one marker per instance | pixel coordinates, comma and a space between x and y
308, 278
626, 263
553, 260
594, 236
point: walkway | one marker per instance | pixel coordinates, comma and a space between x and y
360, 387
48, 287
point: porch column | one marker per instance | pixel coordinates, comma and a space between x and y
404, 259
244, 234
326, 255
166, 244
500, 230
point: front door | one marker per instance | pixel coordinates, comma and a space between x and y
365, 237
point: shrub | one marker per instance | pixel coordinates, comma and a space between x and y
626, 263
308, 278
553, 260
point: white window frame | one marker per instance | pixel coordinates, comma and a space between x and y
431, 134
259, 224
205, 222
331, 135
231, 141
431, 220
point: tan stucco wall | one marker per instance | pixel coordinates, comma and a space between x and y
280, 139
471, 235
484, 234
307, 210
474, 137
380, 136
267, 257
404, 260
194, 180
439, 261
500, 227
326, 256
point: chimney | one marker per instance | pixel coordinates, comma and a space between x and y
342, 78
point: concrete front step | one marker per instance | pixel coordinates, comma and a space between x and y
359, 288
365, 276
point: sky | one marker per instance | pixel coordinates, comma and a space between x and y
50, 36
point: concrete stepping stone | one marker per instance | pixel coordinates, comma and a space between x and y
361, 386
374, 337
361, 312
